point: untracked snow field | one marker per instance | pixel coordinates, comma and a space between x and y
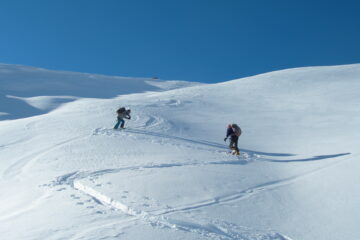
65, 173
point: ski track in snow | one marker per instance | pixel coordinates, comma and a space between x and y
24, 164
111, 225
73, 179
157, 218
306, 93
22, 140
243, 194
210, 146
30, 206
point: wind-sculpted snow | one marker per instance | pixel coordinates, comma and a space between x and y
68, 174
211, 231
99, 184
218, 230
28, 91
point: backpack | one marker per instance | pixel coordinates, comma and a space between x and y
237, 130
121, 110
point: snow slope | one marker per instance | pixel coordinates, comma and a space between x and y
68, 175
28, 91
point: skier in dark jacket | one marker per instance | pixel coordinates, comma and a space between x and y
121, 114
233, 131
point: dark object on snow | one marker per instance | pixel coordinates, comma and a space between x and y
121, 110
121, 114
233, 131
237, 129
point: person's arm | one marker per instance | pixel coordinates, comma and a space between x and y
228, 133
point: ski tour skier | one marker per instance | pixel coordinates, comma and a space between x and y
122, 114
233, 131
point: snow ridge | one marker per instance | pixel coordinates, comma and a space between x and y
107, 200
209, 230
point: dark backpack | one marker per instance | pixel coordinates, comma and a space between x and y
121, 110
237, 130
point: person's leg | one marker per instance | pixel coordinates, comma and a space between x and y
117, 124
122, 123
233, 141
236, 139
231, 144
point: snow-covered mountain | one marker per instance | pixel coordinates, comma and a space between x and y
28, 91
67, 174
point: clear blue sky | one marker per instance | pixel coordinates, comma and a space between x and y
195, 40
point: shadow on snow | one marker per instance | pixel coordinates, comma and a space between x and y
261, 156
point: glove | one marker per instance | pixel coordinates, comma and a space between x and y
225, 139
